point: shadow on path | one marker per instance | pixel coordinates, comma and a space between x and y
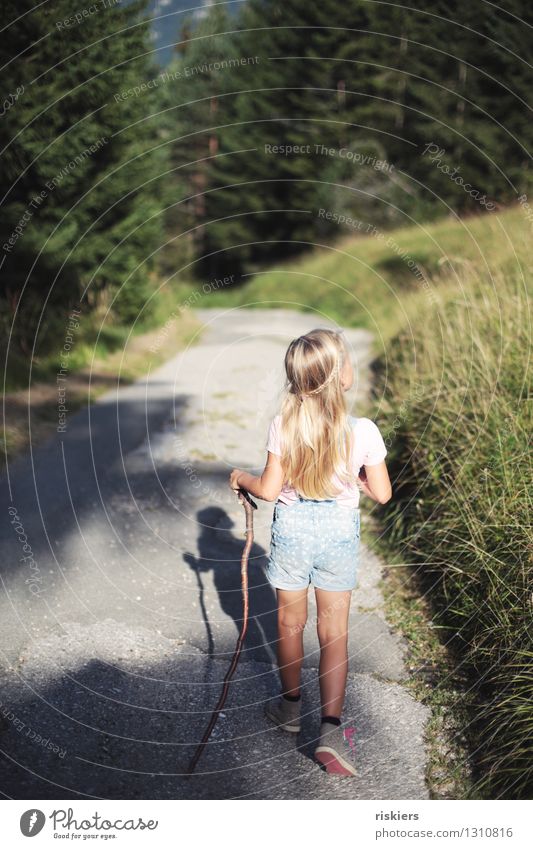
219, 557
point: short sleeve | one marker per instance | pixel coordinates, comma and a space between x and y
274, 437
375, 450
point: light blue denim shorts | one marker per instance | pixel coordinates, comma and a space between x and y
314, 542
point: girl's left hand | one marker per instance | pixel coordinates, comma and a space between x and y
233, 478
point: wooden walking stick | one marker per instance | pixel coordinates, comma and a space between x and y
249, 507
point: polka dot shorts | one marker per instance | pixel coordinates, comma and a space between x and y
314, 542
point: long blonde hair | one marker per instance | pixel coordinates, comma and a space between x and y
316, 436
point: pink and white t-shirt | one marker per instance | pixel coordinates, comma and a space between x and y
368, 450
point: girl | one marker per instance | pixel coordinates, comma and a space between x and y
319, 459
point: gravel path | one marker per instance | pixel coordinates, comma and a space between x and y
117, 628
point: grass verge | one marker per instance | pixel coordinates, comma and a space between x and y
31, 413
462, 471
433, 680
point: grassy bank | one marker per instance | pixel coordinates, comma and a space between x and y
102, 353
382, 280
451, 309
462, 462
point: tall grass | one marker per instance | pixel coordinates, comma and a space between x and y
462, 465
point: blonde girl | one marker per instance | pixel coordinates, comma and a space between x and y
319, 459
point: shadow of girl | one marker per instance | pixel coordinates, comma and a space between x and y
219, 552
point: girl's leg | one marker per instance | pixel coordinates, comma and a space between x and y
332, 626
292, 616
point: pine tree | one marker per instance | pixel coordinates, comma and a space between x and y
449, 106
266, 199
507, 96
432, 90
81, 165
194, 84
447, 101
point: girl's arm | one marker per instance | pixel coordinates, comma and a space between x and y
374, 481
267, 486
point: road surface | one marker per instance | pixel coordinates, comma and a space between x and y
121, 604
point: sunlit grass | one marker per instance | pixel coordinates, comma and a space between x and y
378, 281
463, 473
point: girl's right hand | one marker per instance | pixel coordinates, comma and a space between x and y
233, 478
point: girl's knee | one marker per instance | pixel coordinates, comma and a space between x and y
292, 620
332, 632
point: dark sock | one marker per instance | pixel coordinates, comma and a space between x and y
292, 698
334, 720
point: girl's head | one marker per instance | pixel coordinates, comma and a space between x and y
318, 364
315, 430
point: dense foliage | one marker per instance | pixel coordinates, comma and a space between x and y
81, 166
269, 125
362, 109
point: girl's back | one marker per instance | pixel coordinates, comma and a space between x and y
367, 449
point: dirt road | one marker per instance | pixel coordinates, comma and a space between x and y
121, 598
